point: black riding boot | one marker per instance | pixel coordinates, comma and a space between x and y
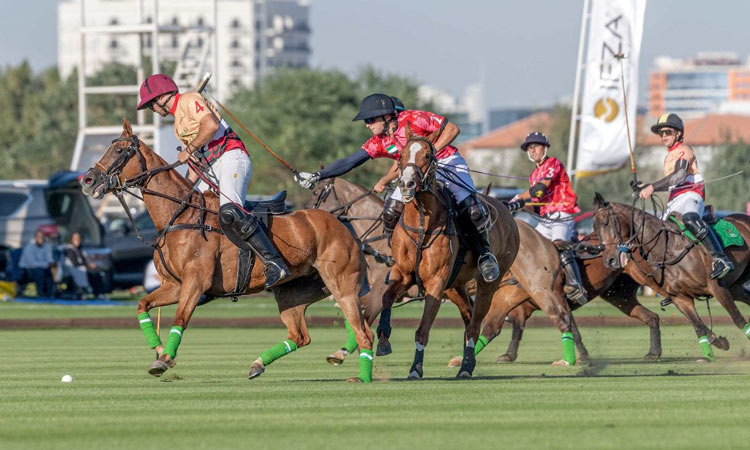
574, 289
480, 219
391, 213
720, 264
245, 232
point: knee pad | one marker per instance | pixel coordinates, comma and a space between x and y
235, 224
229, 214
695, 224
477, 212
391, 213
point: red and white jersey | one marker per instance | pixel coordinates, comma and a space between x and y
421, 123
559, 194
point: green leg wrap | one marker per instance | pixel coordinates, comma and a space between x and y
351, 340
277, 351
705, 345
152, 339
746, 330
569, 348
481, 343
173, 341
365, 365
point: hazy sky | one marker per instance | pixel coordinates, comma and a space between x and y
525, 49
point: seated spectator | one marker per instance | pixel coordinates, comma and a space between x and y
75, 268
35, 264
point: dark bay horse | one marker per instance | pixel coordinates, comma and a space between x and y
198, 259
361, 208
656, 254
613, 286
425, 249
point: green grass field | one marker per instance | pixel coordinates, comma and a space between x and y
618, 401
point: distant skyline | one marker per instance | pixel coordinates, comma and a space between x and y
524, 51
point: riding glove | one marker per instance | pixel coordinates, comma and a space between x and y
307, 180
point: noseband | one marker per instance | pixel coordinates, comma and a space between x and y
111, 174
426, 177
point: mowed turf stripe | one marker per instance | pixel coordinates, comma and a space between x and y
302, 402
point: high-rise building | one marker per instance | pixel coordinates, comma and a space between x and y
252, 36
692, 87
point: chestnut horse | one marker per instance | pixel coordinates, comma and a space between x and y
656, 254
198, 259
613, 286
362, 209
425, 250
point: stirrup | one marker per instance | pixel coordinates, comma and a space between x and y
489, 267
274, 273
720, 268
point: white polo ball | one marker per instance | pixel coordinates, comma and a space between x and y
67, 379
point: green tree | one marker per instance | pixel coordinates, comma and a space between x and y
305, 116
730, 193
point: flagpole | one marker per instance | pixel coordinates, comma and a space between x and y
576, 91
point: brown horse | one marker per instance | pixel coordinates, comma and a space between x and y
614, 287
656, 254
361, 209
425, 250
198, 259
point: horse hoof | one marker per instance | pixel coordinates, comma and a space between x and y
354, 380
335, 359
464, 375
383, 349
561, 363
651, 356
455, 362
506, 358
721, 343
704, 360
158, 367
585, 360
414, 375
256, 369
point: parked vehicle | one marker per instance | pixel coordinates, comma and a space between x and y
130, 255
28, 205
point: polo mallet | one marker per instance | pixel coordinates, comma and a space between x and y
634, 185
207, 76
199, 89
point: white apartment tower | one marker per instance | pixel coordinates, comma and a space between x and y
252, 36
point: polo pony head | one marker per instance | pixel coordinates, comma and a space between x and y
417, 164
115, 166
611, 229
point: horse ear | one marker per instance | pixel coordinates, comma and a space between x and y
487, 189
407, 130
127, 130
599, 201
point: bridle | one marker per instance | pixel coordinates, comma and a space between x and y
634, 242
112, 183
426, 176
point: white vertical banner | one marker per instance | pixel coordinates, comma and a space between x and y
616, 27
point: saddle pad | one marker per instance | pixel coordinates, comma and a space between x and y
726, 231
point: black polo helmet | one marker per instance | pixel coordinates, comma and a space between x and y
536, 137
670, 120
375, 105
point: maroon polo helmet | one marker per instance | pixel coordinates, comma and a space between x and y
154, 86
